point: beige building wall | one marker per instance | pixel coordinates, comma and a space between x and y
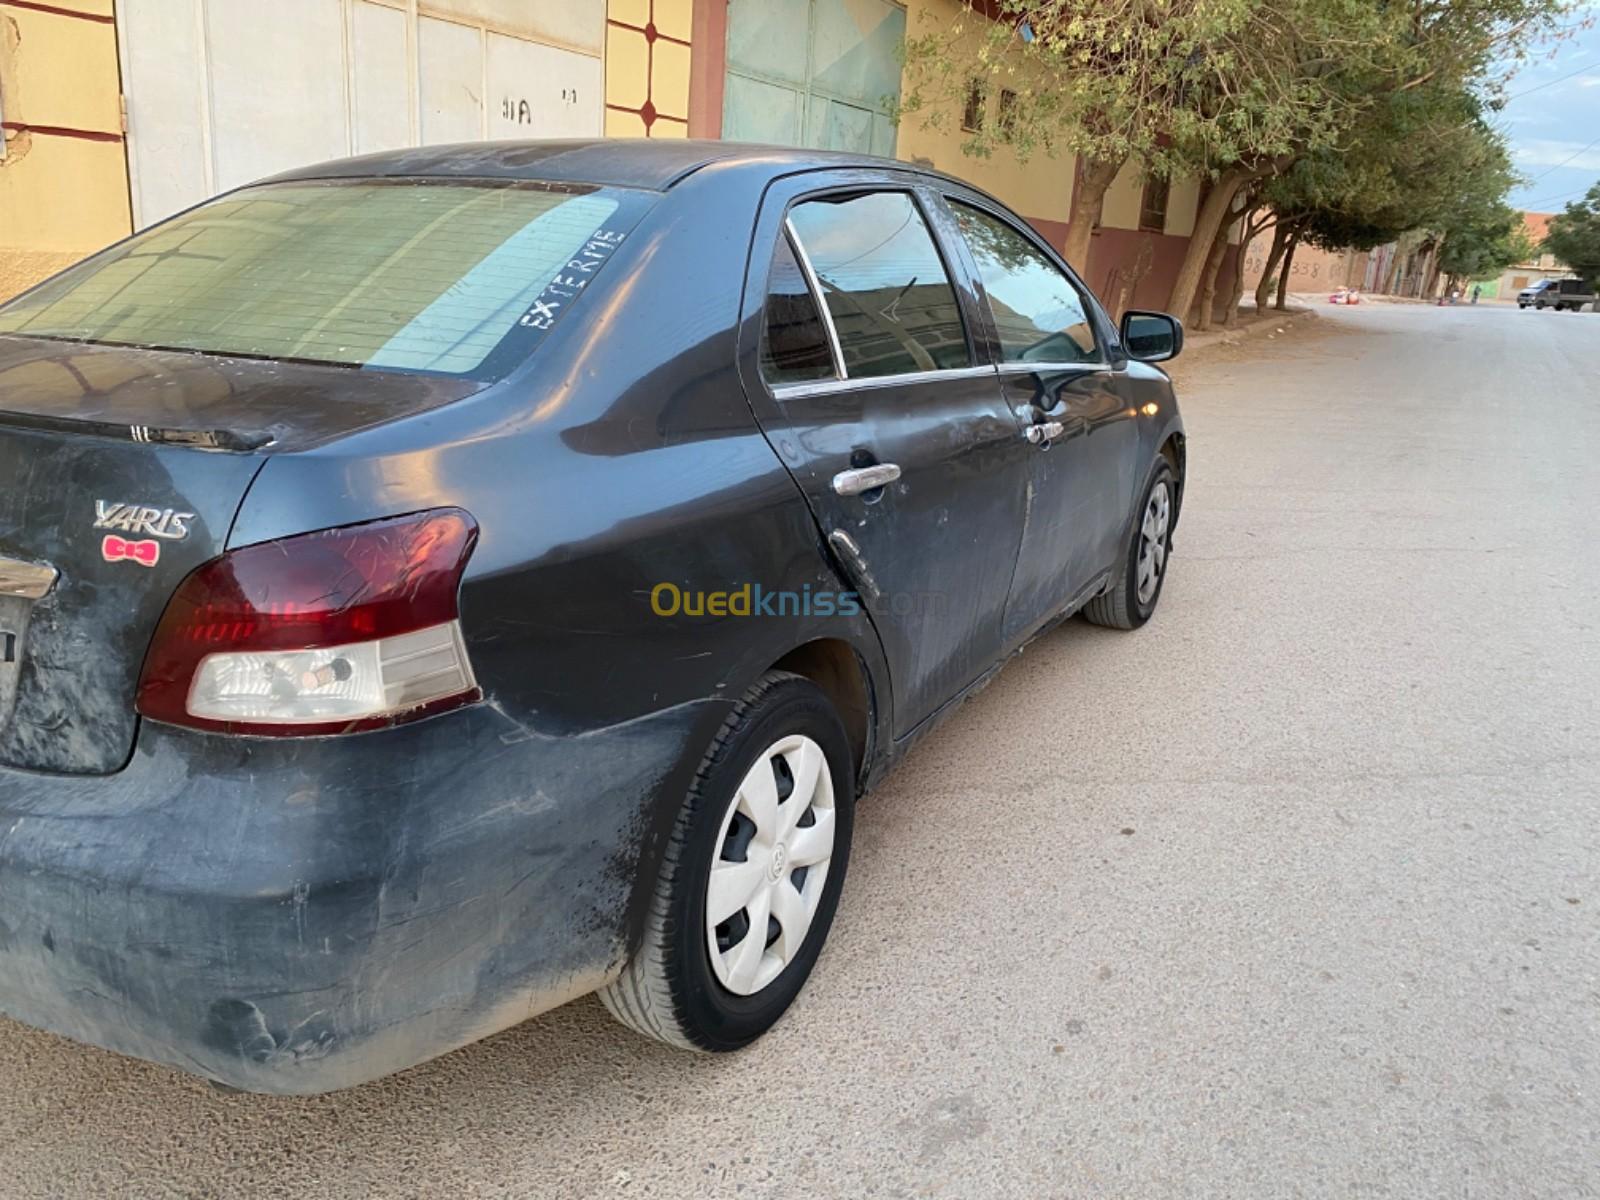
64, 175
1312, 270
1183, 206
1123, 198
1040, 189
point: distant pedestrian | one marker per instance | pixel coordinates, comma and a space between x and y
1476, 288
1455, 295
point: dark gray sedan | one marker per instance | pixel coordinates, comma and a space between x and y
438, 585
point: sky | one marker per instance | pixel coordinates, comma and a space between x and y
1553, 123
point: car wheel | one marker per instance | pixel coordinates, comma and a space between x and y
750, 876
1130, 599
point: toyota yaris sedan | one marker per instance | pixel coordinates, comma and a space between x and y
438, 585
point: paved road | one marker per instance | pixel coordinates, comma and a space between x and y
1295, 893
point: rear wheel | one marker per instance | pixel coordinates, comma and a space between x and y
750, 878
1132, 596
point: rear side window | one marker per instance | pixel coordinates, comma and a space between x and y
402, 275
884, 284
1038, 313
794, 341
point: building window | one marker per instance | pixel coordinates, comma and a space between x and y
972, 115
1153, 205
1008, 112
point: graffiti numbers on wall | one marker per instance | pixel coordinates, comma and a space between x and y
519, 111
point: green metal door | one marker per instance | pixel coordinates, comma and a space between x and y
819, 73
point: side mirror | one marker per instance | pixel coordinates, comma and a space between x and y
1151, 336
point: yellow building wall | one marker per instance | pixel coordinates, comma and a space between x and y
648, 48
1123, 198
1039, 189
1183, 205
64, 176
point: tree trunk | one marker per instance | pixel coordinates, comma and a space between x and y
1213, 215
1252, 230
1208, 282
1280, 243
1230, 317
1093, 182
1283, 276
1432, 285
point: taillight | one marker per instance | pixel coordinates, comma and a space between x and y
334, 632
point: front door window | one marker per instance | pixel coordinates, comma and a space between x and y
1038, 314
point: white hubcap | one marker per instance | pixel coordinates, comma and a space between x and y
772, 860
1153, 542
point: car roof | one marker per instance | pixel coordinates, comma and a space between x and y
654, 163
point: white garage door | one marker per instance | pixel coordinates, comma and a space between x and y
221, 92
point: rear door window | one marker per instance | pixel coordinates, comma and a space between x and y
1039, 314
794, 341
886, 288
406, 275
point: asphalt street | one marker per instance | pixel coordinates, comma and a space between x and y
1296, 892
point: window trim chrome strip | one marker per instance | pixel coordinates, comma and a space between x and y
821, 301
823, 387
25, 580
1054, 368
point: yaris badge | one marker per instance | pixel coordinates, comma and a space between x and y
165, 523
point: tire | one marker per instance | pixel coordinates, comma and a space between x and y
1121, 605
672, 990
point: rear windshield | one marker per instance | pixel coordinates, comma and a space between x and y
453, 278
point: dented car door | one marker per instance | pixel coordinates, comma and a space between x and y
881, 402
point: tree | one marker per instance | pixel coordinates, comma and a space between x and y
1158, 83
1574, 237
1240, 91
1421, 159
1484, 245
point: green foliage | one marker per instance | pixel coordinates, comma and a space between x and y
1420, 158
1173, 84
1356, 120
1203, 84
1574, 237
1482, 243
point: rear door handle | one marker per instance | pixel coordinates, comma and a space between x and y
865, 479
1043, 432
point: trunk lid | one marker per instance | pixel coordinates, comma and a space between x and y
123, 470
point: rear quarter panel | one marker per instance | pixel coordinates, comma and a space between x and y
624, 456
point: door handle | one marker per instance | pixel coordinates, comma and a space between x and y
1043, 432
865, 479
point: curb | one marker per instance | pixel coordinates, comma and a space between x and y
1270, 327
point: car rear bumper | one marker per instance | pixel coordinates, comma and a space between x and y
301, 916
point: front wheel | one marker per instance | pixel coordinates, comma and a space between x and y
1132, 595
750, 877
